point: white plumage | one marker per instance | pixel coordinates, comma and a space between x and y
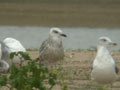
8, 46
13, 45
104, 68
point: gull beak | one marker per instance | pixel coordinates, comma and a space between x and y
113, 43
64, 35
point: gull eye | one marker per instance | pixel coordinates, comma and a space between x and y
55, 31
104, 40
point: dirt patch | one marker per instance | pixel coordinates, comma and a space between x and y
77, 68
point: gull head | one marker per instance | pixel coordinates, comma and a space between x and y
106, 42
56, 32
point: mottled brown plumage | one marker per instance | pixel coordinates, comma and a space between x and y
51, 50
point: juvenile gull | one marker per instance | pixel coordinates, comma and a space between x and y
104, 67
51, 50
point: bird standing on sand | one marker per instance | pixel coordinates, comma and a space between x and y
104, 67
51, 50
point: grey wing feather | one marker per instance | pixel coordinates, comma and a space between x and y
43, 46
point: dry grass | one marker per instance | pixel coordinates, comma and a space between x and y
77, 68
93, 13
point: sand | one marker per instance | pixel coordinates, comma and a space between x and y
77, 65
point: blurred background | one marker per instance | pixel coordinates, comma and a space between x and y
83, 20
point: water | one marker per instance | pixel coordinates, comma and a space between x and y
78, 38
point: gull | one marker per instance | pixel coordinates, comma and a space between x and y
10, 45
104, 67
51, 50
14, 45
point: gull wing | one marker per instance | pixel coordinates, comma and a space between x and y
14, 45
43, 46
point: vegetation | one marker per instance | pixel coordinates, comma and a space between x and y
74, 72
31, 76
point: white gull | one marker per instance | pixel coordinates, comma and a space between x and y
104, 67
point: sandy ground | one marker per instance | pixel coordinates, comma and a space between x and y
77, 65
